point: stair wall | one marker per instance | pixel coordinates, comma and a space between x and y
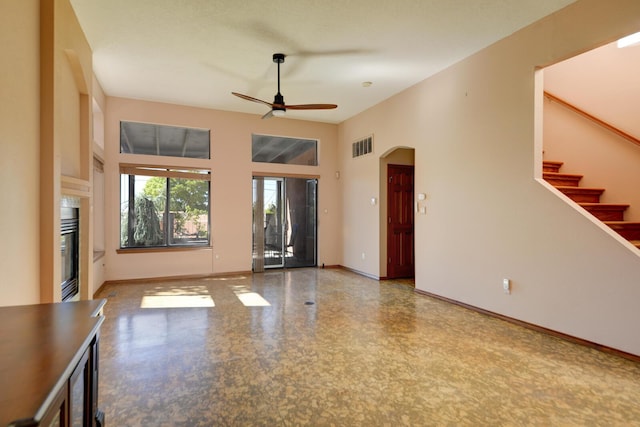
605, 159
589, 199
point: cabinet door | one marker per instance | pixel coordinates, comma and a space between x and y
79, 386
56, 415
97, 416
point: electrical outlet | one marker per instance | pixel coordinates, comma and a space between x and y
506, 286
362, 255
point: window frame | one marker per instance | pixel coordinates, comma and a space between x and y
167, 172
162, 150
284, 144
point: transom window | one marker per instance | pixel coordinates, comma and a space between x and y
162, 140
280, 149
164, 207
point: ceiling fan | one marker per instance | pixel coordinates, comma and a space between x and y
278, 107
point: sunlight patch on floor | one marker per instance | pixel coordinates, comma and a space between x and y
176, 301
177, 297
249, 298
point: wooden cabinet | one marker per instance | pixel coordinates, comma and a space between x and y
49, 357
56, 413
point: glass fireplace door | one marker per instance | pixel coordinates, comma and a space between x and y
69, 246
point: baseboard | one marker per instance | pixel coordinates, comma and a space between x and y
361, 273
534, 327
97, 291
173, 278
182, 277
333, 266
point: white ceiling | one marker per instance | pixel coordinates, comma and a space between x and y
196, 52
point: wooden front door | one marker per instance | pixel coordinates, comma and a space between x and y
400, 245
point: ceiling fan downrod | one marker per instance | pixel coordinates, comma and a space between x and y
278, 107
278, 58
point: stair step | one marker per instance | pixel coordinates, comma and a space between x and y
564, 179
551, 166
582, 194
628, 230
606, 211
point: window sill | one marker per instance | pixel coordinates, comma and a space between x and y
162, 249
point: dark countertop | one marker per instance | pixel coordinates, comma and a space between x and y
40, 345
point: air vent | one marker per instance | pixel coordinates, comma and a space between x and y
362, 147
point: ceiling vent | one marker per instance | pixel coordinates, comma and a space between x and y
362, 146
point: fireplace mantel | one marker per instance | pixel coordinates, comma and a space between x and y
75, 186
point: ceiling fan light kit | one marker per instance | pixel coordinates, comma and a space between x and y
278, 106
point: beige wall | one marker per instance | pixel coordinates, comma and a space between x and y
605, 159
65, 142
231, 187
473, 130
604, 83
98, 208
393, 124
19, 145
46, 64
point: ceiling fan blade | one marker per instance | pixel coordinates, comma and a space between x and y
278, 107
250, 98
311, 107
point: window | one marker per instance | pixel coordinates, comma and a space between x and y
163, 207
279, 149
161, 140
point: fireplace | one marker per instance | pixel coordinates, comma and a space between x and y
69, 247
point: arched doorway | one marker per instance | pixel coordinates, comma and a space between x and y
397, 246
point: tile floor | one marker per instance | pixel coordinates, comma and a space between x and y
331, 348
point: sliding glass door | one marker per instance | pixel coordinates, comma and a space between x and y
284, 222
275, 224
